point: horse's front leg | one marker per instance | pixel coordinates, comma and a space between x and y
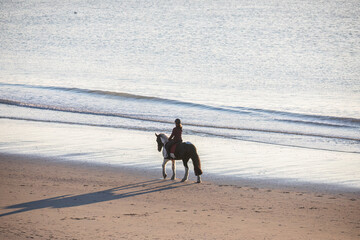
173, 169
164, 168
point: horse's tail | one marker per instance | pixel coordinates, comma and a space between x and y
196, 161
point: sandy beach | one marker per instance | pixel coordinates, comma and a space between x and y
267, 91
46, 199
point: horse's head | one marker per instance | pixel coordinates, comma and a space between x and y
159, 142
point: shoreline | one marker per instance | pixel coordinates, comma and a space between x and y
247, 163
284, 184
42, 198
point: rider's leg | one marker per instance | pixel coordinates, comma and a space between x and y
168, 147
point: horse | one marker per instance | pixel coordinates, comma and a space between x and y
184, 151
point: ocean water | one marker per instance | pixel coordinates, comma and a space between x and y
265, 89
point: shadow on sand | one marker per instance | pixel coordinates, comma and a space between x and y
125, 191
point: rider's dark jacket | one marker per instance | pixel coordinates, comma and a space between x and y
175, 137
176, 134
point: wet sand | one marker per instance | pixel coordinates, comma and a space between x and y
45, 199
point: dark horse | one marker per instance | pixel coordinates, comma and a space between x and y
184, 151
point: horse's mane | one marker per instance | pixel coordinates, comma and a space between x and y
162, 135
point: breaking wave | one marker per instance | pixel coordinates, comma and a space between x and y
148, 113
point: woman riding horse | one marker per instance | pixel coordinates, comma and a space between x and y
185, 152
175, 136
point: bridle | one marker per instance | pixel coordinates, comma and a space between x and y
160, 141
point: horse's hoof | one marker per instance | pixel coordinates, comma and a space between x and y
198, 181
164, 176
183, 180
173, 178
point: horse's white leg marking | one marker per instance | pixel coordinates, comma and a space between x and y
164, 167
199, 179
173, 169
186, 175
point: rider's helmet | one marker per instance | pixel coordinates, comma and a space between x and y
177, 121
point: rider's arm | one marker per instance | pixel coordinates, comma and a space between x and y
172, 134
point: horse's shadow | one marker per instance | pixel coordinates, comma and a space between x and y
65, 201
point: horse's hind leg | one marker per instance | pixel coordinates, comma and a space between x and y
186, 175
164, 168
198, 179
173, 169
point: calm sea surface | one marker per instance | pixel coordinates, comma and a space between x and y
265, 89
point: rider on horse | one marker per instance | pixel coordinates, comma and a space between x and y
175, 136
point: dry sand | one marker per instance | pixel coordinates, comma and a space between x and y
43, 199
